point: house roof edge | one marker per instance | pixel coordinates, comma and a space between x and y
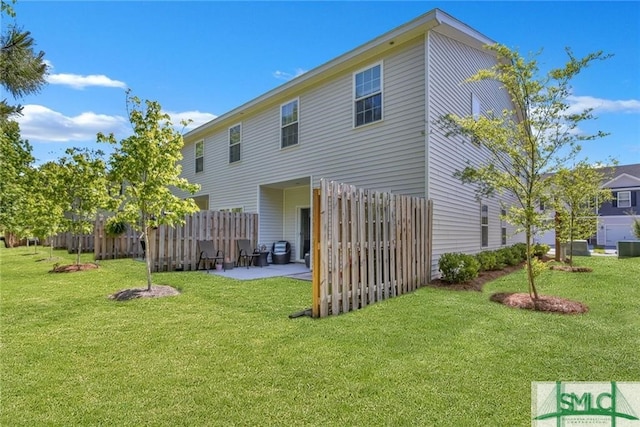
435, 19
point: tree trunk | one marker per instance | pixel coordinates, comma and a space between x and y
533, 292
79, 250
147, 255
571, 240
558, 248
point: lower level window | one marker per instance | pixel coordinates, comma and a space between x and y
503, 227
232, 210
484, 225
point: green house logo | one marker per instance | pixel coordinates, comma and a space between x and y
585, 404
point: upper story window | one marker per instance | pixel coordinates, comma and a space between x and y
235, 137
624, 199
199, 156
367, 85
289, 124
484, 225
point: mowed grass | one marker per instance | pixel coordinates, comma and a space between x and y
224, 352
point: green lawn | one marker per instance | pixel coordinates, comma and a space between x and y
224, 352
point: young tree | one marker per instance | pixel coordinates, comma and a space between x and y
83, 175
576, 193
22, 70
524, 144
146, 165
636, 227
17, 164
45, 207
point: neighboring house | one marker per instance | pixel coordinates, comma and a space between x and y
366, 118
615, 218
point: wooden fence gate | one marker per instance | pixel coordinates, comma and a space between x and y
368, 246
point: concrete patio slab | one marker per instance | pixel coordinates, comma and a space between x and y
293, 270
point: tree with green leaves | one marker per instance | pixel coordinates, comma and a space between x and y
146, 164
83, 175
45, 207
17, 164
22, 70
577, 193
636, 228
525, 144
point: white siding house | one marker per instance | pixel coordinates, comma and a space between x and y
366, 118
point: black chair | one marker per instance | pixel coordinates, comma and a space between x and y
207, 251
281, 252
246, 253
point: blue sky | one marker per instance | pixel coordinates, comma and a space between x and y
202, 59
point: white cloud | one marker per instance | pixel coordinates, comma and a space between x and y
198, 118
283, 75
599, 105
77, 81
43, 124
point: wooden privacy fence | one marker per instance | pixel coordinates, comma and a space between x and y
175, 248
368, 246
69, 241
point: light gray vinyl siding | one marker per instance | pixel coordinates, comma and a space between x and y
270, 218
456, 213
385, 155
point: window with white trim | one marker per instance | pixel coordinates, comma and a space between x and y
503, 227
235, 138
624, 199
232, 210
202, 202
289, 124
475, 106
367, 92
199, 156
484, 225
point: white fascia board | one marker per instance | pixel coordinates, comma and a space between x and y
612, 183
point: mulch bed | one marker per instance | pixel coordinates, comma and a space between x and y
478, 283
545, 303
73, 268
157, 291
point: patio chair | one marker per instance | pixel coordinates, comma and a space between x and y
208, 253
245, 253
281, 252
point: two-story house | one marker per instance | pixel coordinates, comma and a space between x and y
367, 118
615, 217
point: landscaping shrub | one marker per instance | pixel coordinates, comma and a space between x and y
488, 260
458, 267
540, 250
509, 256
521, 249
